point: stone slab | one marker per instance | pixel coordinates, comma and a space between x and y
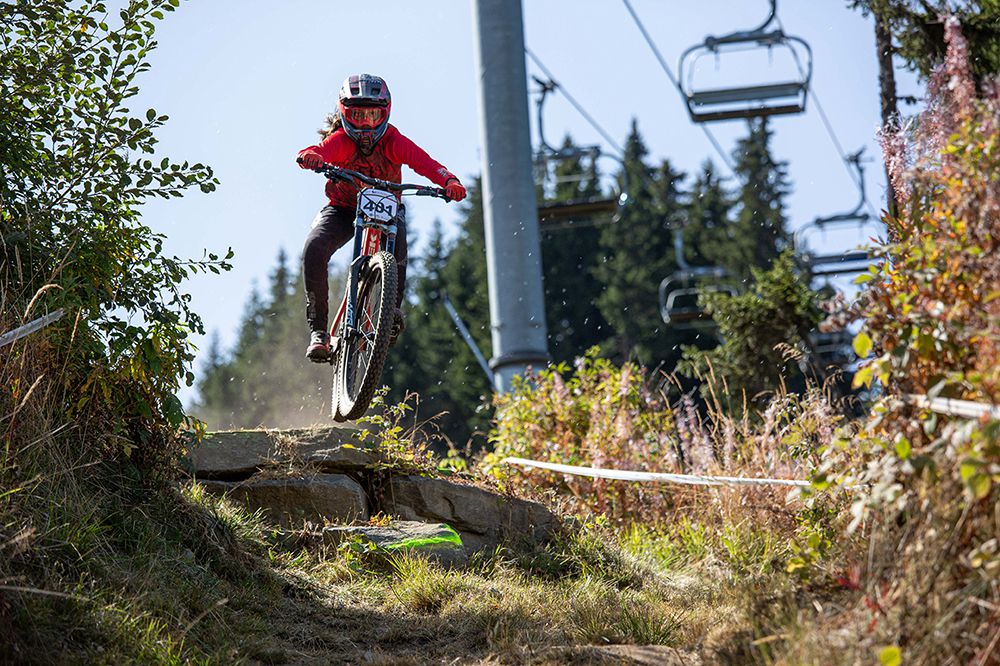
483, 518
319, 498
234, 455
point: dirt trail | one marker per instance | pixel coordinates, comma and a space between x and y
325, 630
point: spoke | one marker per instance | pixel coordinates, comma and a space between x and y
364, 372
359, 372
360, 358
370, 324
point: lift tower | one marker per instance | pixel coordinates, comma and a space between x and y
513, 250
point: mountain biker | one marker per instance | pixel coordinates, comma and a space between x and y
359, 137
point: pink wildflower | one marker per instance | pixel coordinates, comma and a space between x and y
895, 151
961, 87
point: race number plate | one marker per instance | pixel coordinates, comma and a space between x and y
378, 204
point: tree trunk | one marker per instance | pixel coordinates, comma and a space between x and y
887, 88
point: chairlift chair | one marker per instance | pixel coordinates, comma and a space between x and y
679, 292
564, 214
832, 348
837, 263
747, 101
679, 298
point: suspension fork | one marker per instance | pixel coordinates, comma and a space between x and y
353, 278
390, 238
367, 241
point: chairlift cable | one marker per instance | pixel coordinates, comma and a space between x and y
829, 128
843, 156
576, 105
673, 79
593, 123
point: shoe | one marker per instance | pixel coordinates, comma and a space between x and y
398, 326
318, 350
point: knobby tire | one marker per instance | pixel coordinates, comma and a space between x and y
358, 370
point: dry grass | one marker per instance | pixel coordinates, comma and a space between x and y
100, 561
619, 418
103, 567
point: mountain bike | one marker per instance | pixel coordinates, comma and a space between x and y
359, 337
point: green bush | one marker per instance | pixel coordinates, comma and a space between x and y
75, 165
99, 559
765, 338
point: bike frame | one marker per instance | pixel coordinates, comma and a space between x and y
369, 236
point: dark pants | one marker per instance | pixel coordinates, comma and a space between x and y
332, 229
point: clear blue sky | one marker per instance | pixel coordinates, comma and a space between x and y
246, 84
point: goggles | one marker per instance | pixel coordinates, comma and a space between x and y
366, 116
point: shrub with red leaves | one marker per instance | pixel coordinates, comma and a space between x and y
932, 498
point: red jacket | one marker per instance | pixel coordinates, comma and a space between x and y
385, 162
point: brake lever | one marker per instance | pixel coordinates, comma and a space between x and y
334, 173
319, 169
433, 192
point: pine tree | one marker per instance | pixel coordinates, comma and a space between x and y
427, 338
214, 389
704, 234
759, 327
918, 32
637, 255
266, 380
252, 322
570, 254
280, 290
708, 225
759, 229
464, 278
777, 309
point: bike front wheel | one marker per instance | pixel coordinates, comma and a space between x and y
362, 354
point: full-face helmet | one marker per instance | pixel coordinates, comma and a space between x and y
364, 106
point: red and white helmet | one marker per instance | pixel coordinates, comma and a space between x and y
364, 106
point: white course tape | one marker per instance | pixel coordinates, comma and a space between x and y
28, 329
625, 475
963, 408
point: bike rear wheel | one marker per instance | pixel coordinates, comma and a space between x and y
361, 358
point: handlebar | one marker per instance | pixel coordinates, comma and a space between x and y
334, 172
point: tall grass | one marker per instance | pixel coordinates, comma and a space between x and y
620, 418
101, 558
